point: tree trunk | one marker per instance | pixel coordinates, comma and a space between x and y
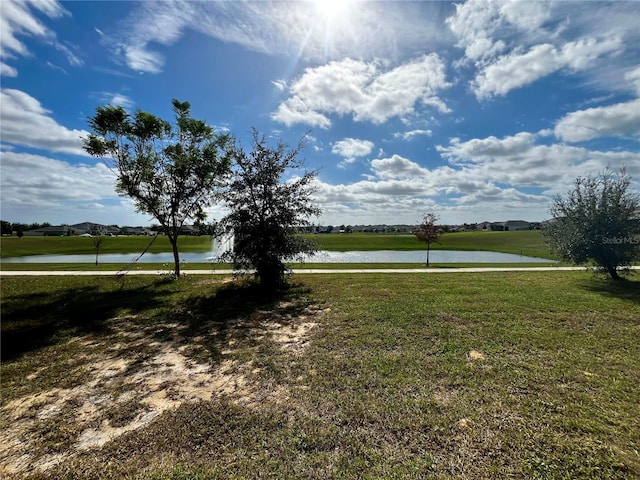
428, 248
176, 256
271, 275
613, 271
96, 256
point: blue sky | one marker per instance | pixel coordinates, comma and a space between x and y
476, 111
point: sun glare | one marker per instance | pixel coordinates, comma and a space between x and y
332, 8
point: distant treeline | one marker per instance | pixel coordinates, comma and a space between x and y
8, 228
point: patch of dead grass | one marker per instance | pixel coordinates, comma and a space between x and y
133, 381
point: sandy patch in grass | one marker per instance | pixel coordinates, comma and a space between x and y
445, 396
476, 355
291, 337
162, 379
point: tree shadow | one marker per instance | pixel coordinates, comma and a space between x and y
241, 307
625, 288
37, 320
33, 321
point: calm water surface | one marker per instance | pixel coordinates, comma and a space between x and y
378, 256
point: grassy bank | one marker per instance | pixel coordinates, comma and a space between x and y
116, 267
509, 375
528, 243
19, 247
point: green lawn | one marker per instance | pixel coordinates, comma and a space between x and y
116, 267
503, 375
529, 243
18, 247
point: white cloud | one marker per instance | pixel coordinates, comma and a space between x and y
518, 69
395, 92
520, 162
161, 23
492, 175
397, 167
410, 135
279, 84
362, 30
350, 148
633, 78
492, 194
477, 22
490, 147
360, 89
18, 20
295, 111
56, 67
122, 100
620, 120
27, 123
117, 99
36, 188
72, 57
38, 181
514, 43
333, 88
7, 70
143, 60
401, 190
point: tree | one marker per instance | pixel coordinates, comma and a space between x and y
428, 231
597, 221
6, 227
265, 210
172, 172
98, 241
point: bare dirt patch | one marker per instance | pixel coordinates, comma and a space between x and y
476, 355
135, 379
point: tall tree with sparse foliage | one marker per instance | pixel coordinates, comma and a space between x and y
172, 172
597, 221
266, 208
428, 231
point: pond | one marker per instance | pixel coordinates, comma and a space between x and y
377, 256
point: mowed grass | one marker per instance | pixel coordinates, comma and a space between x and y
501, 375
216, 267
19, 247
528, 242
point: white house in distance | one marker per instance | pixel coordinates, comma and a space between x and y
57, 231
86, 228
508, 226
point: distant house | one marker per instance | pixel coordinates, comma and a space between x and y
509, 226
112, 231
135, 231
189, 230
92, 228
57, 231
514, 225
484, 226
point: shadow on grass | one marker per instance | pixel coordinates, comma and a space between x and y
34, 320
235, 309
625, 288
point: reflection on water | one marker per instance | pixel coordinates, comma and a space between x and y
420, 256
378, 256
